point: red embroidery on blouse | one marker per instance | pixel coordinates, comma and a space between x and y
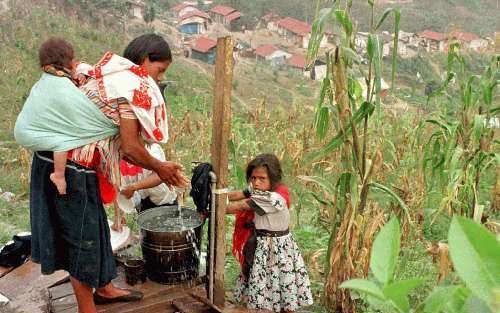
139, 71
141, 97
158, 134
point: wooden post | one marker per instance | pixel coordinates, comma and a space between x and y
221, 129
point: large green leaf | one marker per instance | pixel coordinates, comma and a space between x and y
446, 299
364, 286
475, 253
385, 252
397, 292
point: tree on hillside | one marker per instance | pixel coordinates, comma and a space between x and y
149, 14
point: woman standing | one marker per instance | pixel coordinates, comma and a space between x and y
71, 231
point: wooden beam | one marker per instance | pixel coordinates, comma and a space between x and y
221, 129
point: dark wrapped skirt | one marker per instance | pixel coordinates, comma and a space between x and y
70, 232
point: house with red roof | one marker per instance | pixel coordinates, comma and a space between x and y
184, 8
469, 40
204, 49
225, 15
272, 54
432, 40
194, 22
270, 21
297, 61
298, 32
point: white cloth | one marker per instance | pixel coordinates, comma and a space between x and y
271, 211
159, 195
118, 77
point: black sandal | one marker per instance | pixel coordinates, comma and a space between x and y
134, 295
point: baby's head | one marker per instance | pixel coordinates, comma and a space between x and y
57, 52
264, 172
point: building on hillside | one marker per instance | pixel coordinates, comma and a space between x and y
272, 54
316, 71
387, 43
469, 40
407, 44
270, 21
298, 32
184, 8
361, 42
297, 62
384, 88
226, 16
204, 49
194, 22
432, 41
136, 9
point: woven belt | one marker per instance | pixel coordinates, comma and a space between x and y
270, 233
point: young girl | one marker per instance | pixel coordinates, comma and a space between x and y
273, 275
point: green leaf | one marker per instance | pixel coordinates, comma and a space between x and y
365, 109
322, 122
442, 299
364, 286
397, 292
322, 182
345, 21
475, 253
383, 17
476, 305
391, 193
385, 252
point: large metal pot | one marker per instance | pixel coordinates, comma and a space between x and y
170, 251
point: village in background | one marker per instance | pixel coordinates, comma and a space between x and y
282, 41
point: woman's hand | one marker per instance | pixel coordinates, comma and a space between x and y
128, 192
171, 174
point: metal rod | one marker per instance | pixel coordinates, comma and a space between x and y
213, 186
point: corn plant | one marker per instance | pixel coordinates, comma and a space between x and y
461, 147
345, 111
475, 253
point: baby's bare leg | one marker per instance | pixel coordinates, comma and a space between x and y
117, 221
57, 177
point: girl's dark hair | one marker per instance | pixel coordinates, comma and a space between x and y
271, 163
148, 45
56, 51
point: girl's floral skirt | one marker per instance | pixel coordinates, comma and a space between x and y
278, 279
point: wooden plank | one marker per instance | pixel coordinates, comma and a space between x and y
206, 302
33, 297
221, 128
5, 270
64, 304
161, 300
60, 291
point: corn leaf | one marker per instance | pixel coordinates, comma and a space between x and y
385, 252
475, 253
364, 286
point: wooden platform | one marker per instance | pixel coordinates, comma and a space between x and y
31, 292
26, 288
158, 298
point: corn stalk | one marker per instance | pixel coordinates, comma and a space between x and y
461, 147
344, 111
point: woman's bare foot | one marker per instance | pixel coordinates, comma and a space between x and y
60, 182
